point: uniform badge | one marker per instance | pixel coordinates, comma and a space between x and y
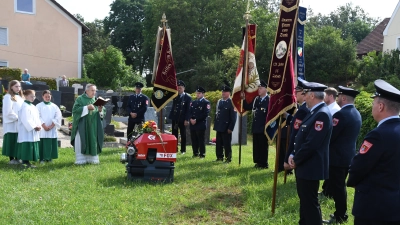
297, 124
335, 121
365, 147
147, 102
319, 125
208, 106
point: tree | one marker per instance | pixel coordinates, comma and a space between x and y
375, 65
199, 30
328, 57
216, 70
97, 38
125, 26
107, 67
352, 21
267, 21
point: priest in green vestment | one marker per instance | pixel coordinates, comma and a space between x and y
87, 133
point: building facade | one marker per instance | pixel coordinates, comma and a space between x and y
42, 36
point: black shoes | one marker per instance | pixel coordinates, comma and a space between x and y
336, 219
261, 166
219, 160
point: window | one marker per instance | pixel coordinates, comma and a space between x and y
398, 43
3, 64
25, 6
3, 36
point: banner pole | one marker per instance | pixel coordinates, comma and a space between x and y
278, 145
287, 146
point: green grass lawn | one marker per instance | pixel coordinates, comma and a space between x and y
203, 192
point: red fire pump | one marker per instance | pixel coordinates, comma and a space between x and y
151, 157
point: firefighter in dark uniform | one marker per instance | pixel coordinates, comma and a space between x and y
259, 108
342, 148
199, 111
137, 106
225, 119
375, 171
310, 156
295, 121
179, 114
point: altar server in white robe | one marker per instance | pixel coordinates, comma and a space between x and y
29, 126
12, 102
50, 118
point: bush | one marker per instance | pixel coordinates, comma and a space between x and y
109, 138
50, 81
10, 73
363, 103
379, 66
72, 81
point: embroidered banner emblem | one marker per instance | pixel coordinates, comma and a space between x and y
365, 147
297, 124
319, 125
208, 106
335, 121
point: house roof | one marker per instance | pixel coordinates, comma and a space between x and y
392, 18
373, 41
85, 29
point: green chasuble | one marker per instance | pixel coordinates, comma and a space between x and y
90, 127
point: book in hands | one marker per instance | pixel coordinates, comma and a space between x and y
101, 101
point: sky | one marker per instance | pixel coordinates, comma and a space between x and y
98, 9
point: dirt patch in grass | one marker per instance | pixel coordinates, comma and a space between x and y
221, 206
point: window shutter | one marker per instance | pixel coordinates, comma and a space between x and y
3, 36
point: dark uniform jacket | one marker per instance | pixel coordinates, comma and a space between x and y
375, 174
180, 108
311, 147
260, 110
137, 104
346, 127
225, 117
199, 110
295, 124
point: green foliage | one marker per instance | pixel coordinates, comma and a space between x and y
146, 91
97, 39
363, 104
214, 71
329, 58
72, 81
353, 22
266, 19
50, 81
10, 73
199, 30
107, 68
125, 24
116, 124
375, 66
109, 138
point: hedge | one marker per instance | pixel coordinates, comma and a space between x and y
10, 73
363, 104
